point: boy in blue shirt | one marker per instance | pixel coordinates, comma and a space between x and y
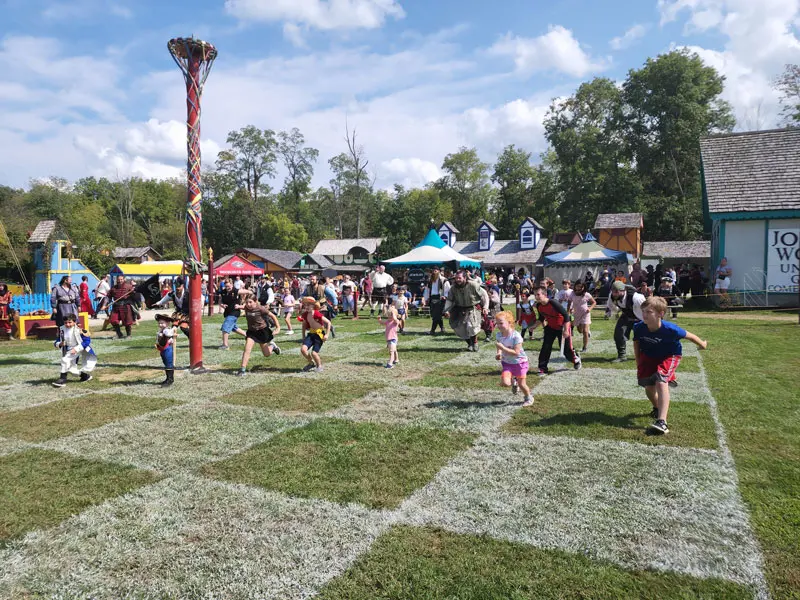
658, 351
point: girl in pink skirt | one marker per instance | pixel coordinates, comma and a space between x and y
512, 356
582, 305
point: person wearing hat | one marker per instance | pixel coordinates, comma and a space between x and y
180, 298
165, 344
627, 301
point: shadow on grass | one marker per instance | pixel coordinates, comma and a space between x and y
18, 360
465, 405
591, 418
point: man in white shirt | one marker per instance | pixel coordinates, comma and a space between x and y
381, 283
625, 299
101, 295
435, 296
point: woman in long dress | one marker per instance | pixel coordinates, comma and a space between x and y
86, 300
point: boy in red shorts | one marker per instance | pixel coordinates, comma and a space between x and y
658, 351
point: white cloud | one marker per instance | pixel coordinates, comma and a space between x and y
519, 122
629, 37
760, 38
319, 14
410, 172
557, 50
294, 33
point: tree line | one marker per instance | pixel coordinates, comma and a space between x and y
612, 147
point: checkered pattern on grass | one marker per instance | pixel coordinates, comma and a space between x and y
376, 465
675, 510
41, 488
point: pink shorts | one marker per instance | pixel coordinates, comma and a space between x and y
516, 370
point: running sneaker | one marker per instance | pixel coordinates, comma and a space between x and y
654, 413
60, 383
658, 427
224, 347
240, 373
275, 348
290, 332
583, 349
542, 372
578, 364
528, 401
308, 367
86, 377
319, 369
619, 359
514, 386
388, 366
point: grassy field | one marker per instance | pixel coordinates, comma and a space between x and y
423, 481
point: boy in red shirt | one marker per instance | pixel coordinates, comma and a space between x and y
316, 329
558, 327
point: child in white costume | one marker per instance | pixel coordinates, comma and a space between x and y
76, 346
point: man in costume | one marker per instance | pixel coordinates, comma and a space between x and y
5, 304
64, 300
626, 300
122, 299
465, 307
381, 284
434, 296
181, 301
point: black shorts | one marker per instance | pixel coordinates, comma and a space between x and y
313, 342
379, 295
260, 336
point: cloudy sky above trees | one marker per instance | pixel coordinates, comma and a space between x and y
88, 87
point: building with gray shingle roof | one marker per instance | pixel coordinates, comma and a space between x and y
751, 202
677, 250
140, 254
618, 221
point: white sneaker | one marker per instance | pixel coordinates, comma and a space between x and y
528, 401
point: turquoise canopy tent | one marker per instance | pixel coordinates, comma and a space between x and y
432, 251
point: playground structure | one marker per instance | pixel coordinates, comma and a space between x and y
195, 58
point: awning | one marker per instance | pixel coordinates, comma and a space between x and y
166, 268
587, 253
236, 265
432, 251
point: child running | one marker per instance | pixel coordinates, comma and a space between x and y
287, 302
512, 356
228, 301
391, 320
313, 333
582, 305
557, 327
400, 300
657, 348
165, 344
527, 313
75, 345
258, 330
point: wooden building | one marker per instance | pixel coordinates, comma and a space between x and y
620, 231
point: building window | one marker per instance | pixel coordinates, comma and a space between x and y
484, 239
445, 238
527, 238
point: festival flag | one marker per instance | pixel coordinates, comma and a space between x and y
151, 290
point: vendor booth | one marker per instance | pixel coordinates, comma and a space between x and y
588, 256
237, 266
432, 251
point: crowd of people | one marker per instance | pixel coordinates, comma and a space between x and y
495, 304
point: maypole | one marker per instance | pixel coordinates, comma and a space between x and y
195, 58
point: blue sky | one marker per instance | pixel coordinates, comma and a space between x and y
88, 87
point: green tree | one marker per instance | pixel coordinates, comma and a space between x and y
281, 233
670, 103
593, 164
466, 186
251, 158
513, 175
299, 163
788, 84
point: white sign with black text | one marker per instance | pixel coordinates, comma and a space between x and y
783, 260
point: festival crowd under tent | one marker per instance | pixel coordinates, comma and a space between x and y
588, 256
432, 251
